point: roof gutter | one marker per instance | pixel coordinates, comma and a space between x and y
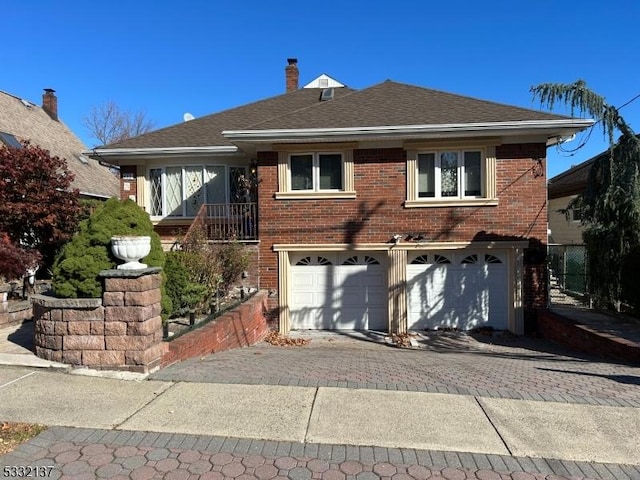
517, 127
129, 152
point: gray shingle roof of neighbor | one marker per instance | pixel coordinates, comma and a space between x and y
572, 181
387, 103
27, 121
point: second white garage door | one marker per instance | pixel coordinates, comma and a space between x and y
338, 291
462, 290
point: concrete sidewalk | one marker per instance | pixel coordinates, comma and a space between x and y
392, 419
516, 410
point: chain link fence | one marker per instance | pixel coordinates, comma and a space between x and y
568, 275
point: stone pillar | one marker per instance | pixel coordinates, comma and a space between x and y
132, 321
120, 331
5, 288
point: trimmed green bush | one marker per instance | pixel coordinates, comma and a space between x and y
185, 294
76, 268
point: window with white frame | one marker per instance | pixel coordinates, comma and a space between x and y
180, 191
450, 174
439, 174
316, 172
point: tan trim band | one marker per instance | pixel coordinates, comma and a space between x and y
314, 195
340, 247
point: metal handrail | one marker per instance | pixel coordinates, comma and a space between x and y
226, 221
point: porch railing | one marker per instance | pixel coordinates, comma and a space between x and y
226, 221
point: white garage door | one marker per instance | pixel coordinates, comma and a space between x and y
457, 290
345, 291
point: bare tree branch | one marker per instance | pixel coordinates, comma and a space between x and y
108, 123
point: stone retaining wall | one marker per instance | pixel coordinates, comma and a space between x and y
120, 331
13, 313
240, 327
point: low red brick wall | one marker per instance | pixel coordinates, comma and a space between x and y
584, 339
240, 327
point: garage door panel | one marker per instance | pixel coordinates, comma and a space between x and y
469, 292
360, 275
347, 297
314, 318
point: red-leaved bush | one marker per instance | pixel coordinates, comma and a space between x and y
15, 260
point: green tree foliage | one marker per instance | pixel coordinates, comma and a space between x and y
38, 208
184, 292
75, 271
611, 202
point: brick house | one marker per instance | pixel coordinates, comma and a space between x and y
390, 208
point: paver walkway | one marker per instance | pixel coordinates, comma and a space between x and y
503, 367
71, 453
506, 367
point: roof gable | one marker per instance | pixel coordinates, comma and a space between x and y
27, 121
324, 81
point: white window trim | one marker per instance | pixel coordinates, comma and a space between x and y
488, 168
183, 167
284, 177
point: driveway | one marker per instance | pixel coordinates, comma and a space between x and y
484, 366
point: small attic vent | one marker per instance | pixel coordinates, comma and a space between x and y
327, 94
83, 159
26, 103
323, 82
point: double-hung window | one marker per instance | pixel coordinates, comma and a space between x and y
316, 172
450, 176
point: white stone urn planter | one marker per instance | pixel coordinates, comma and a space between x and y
131, 249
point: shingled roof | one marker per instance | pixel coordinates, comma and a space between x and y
27, 121
572, 181
391, 103
385, 104
207, 131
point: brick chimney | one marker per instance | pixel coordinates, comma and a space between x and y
291, 73
50, 103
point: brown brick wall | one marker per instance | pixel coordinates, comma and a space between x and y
378, 212
125, 172
580, 337
240, 327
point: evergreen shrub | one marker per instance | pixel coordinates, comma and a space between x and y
76, 268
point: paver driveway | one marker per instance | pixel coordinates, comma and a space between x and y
506, 367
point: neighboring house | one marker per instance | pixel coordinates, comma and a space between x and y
23, 120
565, 227
391, 208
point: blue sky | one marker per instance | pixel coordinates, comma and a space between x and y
201, 56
